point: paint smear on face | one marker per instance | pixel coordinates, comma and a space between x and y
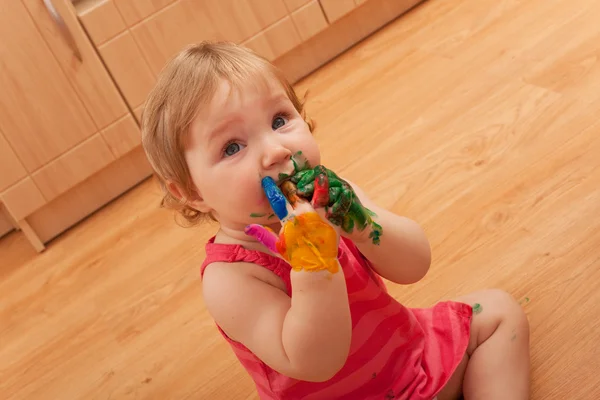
257, 215
477, 308
300, 162
309, 244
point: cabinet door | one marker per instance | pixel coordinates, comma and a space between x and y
65, 37
41, 115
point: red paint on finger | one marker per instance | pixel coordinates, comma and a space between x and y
321, 193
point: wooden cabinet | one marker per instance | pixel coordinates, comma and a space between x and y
136, 38
61, 115
75, 74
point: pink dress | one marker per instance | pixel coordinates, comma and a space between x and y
396, 352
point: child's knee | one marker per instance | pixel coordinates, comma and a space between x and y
509, 310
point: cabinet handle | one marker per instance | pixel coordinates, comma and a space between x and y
64, 30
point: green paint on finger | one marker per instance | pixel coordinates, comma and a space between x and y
477, 308
282, 177
344, 208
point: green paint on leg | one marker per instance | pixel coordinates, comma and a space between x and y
525, 300
257, 215
477, 308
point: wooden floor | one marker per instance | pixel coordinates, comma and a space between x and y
478, 118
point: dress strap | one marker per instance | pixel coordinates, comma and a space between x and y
230, 253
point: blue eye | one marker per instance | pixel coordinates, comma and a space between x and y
278, 122
232, 148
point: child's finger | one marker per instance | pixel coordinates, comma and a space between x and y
264, 235
277, 200
291, 194
321, 191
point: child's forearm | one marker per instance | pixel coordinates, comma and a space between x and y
317, 329
403, 255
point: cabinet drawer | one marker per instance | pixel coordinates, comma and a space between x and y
133, 11
122, 136
293, 5
128, 67
309, 20
23, 199
101, 20
73, 167
276, 40
184, 22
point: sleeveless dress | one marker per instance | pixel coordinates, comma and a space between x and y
396, 352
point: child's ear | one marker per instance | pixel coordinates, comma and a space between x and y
195, 201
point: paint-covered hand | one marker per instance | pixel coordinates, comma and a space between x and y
306, 240
342, 206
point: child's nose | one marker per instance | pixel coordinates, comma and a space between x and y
275, 154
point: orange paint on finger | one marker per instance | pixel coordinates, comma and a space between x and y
308, 243
290, 192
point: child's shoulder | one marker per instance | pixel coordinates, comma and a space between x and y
236, 294
228, 275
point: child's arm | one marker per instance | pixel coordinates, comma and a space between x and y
307, 337
403, 255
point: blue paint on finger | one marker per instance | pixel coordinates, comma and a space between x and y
276, 198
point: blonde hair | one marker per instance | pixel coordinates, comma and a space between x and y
188, 81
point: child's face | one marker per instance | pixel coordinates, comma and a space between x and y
239, 138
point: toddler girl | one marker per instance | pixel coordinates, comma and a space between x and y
306, 311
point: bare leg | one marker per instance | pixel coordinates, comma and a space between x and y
496, 365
